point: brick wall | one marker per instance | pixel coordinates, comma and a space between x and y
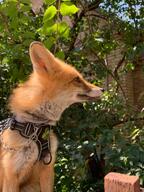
138, 86
132, 82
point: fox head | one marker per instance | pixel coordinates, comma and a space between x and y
52, 87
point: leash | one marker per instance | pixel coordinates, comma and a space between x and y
32, 132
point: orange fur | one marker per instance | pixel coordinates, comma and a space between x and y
52, 87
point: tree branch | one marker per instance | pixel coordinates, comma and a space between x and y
127, 120
94, 5
77, 20
75, 32
112, 75
119, 65
97, 15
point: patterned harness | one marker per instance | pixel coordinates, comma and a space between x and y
34, 132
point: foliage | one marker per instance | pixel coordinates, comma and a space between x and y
99, 137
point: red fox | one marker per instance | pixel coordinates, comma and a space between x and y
27, 159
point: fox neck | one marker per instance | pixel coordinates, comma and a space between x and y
46, 113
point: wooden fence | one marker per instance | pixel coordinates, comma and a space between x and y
116, 182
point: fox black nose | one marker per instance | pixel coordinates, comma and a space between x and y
102, 89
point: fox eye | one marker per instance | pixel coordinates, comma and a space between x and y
77, 79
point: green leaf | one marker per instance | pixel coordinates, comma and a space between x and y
60, 28
49, 2
68, 8
49, 42
49, 13
24, 8
11, 10
60, 55
129, 66
49, 27
63, 29
25, 2
28, 35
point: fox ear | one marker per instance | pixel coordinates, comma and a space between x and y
41, 58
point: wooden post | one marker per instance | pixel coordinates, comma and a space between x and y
116, 182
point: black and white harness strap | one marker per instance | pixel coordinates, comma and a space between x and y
34, 132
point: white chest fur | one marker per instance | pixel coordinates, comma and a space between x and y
18, 153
